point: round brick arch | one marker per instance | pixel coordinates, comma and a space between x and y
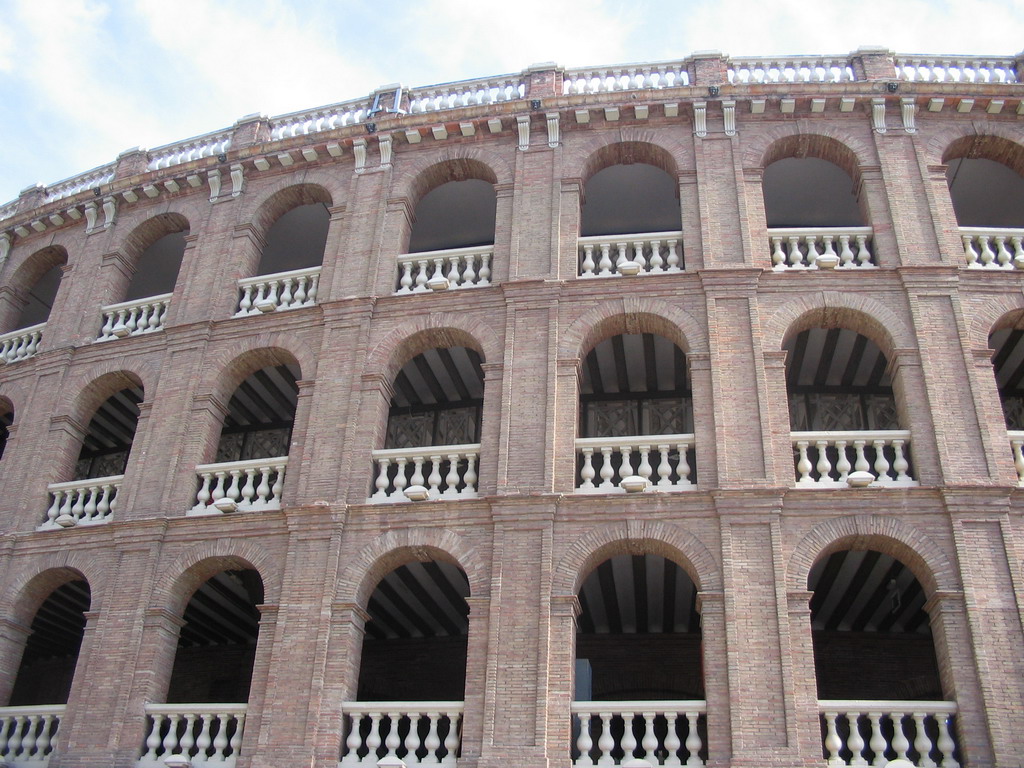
833, 309
91, 387
395, 548
33, 581
999, 142
228, 368
637, 537
632, 144
285, 195
432, 331
179, 580
843, 148
151, 230
995, 313
633, 315
419, 176
24, 271
882, 533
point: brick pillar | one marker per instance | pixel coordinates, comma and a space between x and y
396, 227
566, 427
250, 130
131, 162
569, 214
802, 703
133, 500
711, 607
341, 680
989, 407
752, 193
188, 256
943, 217
565, 610
197, 446
334, 258
957, 666
704, 420
371, 423
709, 68
692, 247
776, 405
490, 429
870, 63
13, 637
543, 81
910, 389
298, 458
477, 678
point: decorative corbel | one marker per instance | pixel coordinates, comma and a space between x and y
237, 179
213, 179
908, 109
878, 114
523, 124
359, 150
700, 118
553, 132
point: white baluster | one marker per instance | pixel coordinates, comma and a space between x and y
188, 738
203, 741
584, 742
203, 496
275, 489
79, 506
353, 741
421, 276
605, 742
877, 741
843, 463
431, 742
248, 489
314, 286
587, 472
605, 263
218, 489
299, 299
606, 472
795, 257
246, 303
863, 254
945, 743
58, 496
861, 463
672, 259
628, 737
392, 742
829, 252
1018, 250
236, 738
400, 480
470, 477
469, 273
693, 742
900, 743
381, 483
881, 463
626, 467
645, 470
855, 742
657, 263
845, 254
108, 325
664, 468
89, 511
451, 479
812, 251
900, 463
417, 471
1002, 255
824, 466
485, 269
263, 489
832, 741
14, 742
451, 740
587, 266
454, 278
649, 742
922, 743
638, 255
171, 738
803, 464
672, 741
684, 464
969, 253
434, 479
987, 255
405, 281
232, 491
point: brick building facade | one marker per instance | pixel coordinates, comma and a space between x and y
665, 412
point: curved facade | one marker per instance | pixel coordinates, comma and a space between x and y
668, 412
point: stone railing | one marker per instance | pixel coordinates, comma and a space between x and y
310, 121
28, 734
629, 77
435, 471
955, 69
207, 145
278, 292
21, 344
416, 732
821, 248
792, 69
665, 462
83, 181
440, 270
648, 253
855, 458
82, 502
253, 485
204, 733
466, 94
993, 248
658, 732
875, 732
1017, 446
132, 318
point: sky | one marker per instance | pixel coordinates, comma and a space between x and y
83, 80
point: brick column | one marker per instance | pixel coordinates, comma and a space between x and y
566, 266
563, 459
341, 680
802, 704
298, 460
504, 226
702, 386
564, 612
477, 676
711, 607
13, 637
490, 429
188, 256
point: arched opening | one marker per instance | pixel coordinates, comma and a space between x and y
985, 175
160, 244
48, 662
35, 287
630, 219
451, 242
204, 714
843, 415
252, 451
636, 415
288, 272
638, 639
432, 441
6, 422
1007, 343
40, 297
91, 496
813, 210
414, 650
873, 644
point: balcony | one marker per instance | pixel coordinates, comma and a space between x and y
655, 732
415, 732
854, 458
428, 271
433, 472
253, 485
21, 344
28, 735
795, 248
620, 255
82, 502
875, 732
668, 459
1017, 445
207, 734
278, 292
993, 247
133, 318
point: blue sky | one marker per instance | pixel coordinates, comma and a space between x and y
82, 80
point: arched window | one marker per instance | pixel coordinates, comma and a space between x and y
204, 711
432, 442
638, 639
873, 643
636, 416
6, 421
35, 287
843, 415
252, 452
414, 650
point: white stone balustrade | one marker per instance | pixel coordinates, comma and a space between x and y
97, 177
1017, 446
665, 461
207, 145
440, 270
132, 318
310, 121
446, 471
208, 734
648, 253
993, 248
417, 732
21, 344
82, 502
955, 69
466, 94
660, 732
821, 248
633, 77
792, 69
278, 292
875, 732
827, 459
253, 485
28, 734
